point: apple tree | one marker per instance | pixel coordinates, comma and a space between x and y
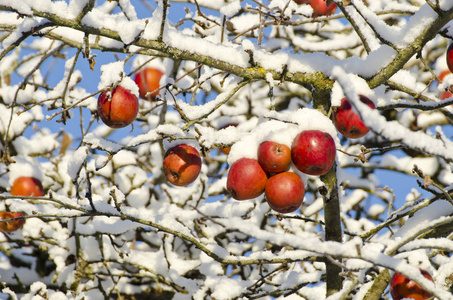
133, 198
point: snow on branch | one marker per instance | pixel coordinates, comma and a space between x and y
391, 131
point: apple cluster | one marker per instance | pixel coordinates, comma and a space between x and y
24, 186
119, 107
312, 152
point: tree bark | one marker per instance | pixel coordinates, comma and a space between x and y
332, 228
379, 285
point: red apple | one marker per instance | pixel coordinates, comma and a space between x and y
274, 157
27, 186
320, 8
402, 287
348, 122
182, 164
246, 179
226, 150
313, 152
445, 94
285, 192
443, 74
148, 82
13, 225
117, 108
450, 57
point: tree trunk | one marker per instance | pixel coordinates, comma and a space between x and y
332, 228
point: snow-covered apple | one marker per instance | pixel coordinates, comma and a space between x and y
285, 192
320, 7
12, 225
118, 108
274, 157
148, 80
27, 186
226, 150
246, 179
182, 164
450, 57
313, 152
402, 287
348, 122
445, 94
443, 74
